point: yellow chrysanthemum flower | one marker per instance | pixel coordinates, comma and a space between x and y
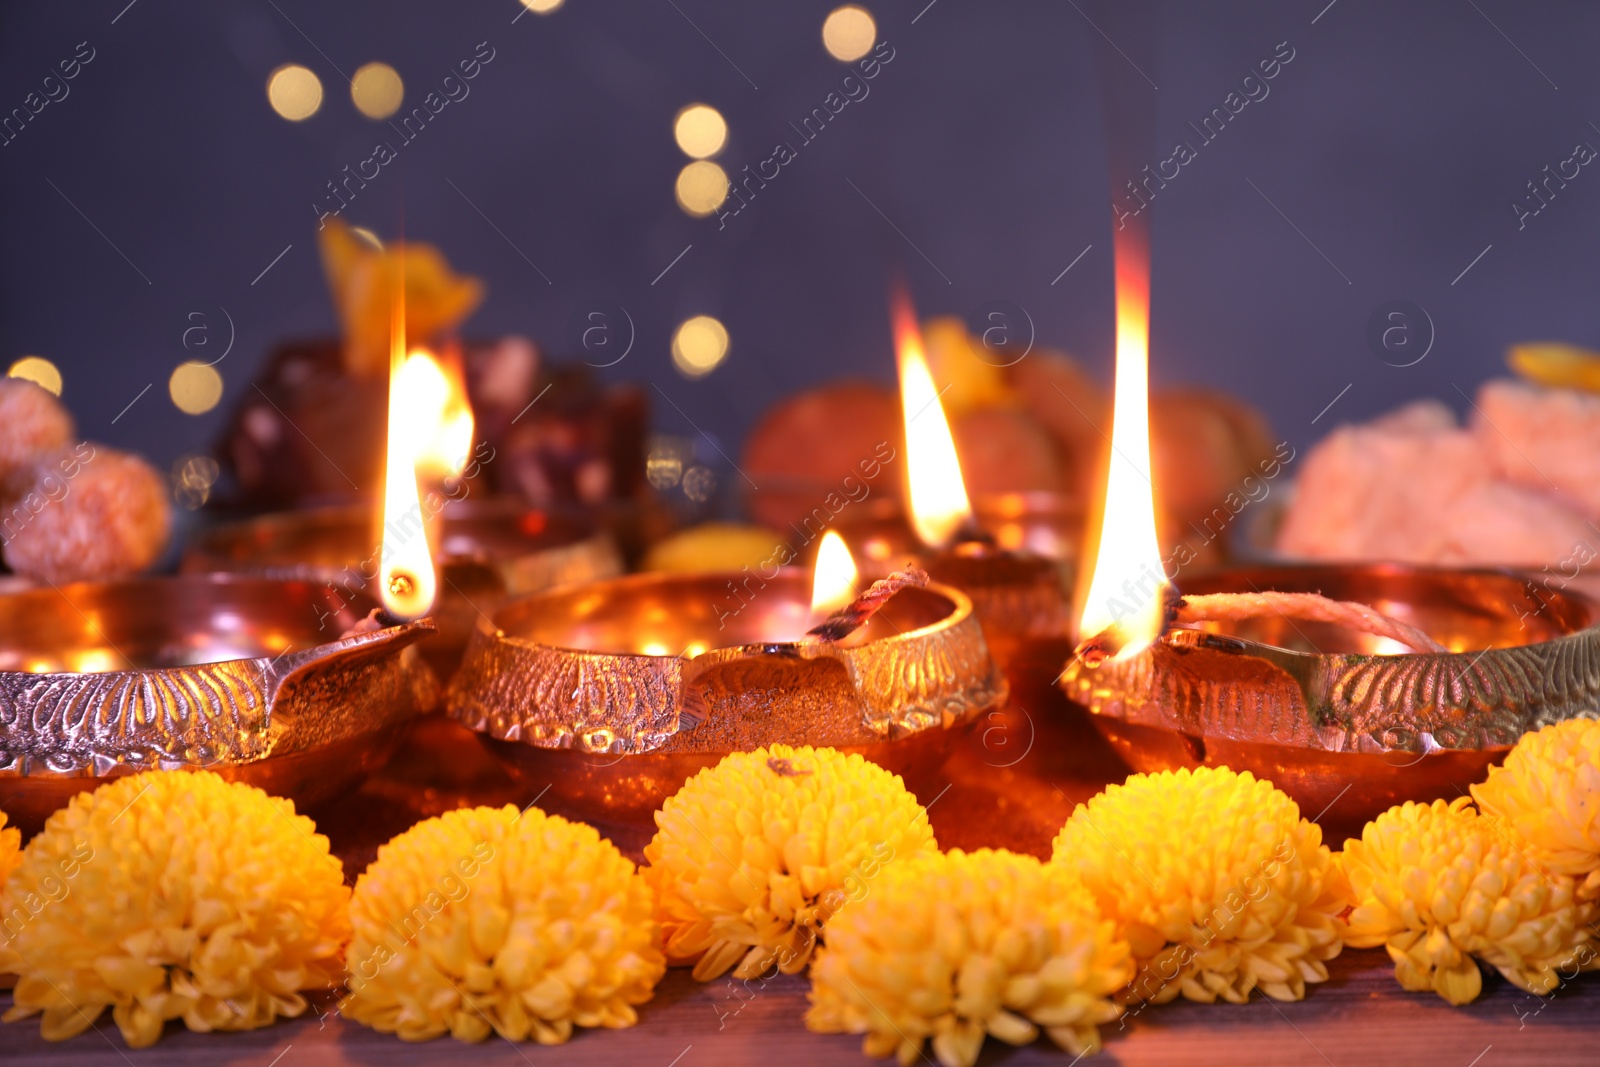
10, 849
1216, 881
751, 856
1437, 884
1549, 791
490, 920
172, 895
958, 946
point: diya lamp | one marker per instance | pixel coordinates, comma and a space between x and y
483, 550
269, 682
1351, 687
1018, 595
282, 683
606, 697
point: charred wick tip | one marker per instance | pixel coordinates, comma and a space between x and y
386, 618
970, 538
1171, 605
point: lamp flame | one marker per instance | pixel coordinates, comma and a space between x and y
1126, 592
938, 495
441, 419
833, 582
406, 580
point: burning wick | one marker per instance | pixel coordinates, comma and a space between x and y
1179, 610
407, 579
854, 615
375, 620
1113, 640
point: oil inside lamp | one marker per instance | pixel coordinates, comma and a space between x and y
405, 574
1126, 598
833, 581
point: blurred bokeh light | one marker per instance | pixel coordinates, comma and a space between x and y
700, 344
38, 370
294, 92
700, 130
195, 388
848, 33
702, 187
377, 90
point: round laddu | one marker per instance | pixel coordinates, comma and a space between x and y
32, 424
1196, 454
1061, 395
111, 521
1005, 450
805, 448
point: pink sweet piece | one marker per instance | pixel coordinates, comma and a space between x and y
109, 519
1546, 439
1375, 491
1414, 487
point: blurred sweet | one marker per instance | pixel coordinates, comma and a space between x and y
1546, 439
716, 546
501, 381
33, 424
1555, 364
363, 279
1203, 444
956, 361
308, 432
581, 443
825, 440
1058, 392
1415, 487
1034, 421
1004, 450
109, 519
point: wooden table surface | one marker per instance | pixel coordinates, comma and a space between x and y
1012, 784
1359, 1018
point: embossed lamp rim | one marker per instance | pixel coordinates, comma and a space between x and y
289, 709
1346, 733
1333, 698
537, 672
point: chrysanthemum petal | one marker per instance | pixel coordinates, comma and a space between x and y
1216, 881
893, 971
490, 920
1441, 887
752, 857
171, 895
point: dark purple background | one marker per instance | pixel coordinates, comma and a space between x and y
1395, 142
